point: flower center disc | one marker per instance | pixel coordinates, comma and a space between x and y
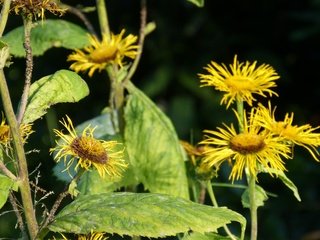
104, 54
246, 143
239, 83
90, 149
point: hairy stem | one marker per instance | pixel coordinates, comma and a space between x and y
23, 179
215, 204
4, 15
143, 21
253, 208
27, 22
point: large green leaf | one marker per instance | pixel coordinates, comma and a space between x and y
153, 146
5, 185
45, 35
201, 236
62, 86
141, 214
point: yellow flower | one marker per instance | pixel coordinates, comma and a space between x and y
253, 148
36, 8
241, 81
92, 236
87, 151
100, 54
304, 136
5, 134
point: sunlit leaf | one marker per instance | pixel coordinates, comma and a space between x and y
45, 35
198, 3
60, 87
141, 214
153, 146
5, 185
282, 176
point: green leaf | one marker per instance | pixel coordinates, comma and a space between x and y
153, 147
286, 181
5, 185
62, 86
260, 197
206, 236
45, 35
141, 214
198, 3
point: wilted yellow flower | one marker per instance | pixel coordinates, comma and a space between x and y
241, 81
304, 135
35, 8
100, 54
5, 134
88, 151
252, 148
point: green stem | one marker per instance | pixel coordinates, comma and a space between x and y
240, 114
103, 17
4, 15
251, 180
23, 179
253, 208
215, 204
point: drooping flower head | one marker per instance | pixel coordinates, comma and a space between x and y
88, 151
99, 54
36, 8
241, 81
5, 133
304, 135
253, 148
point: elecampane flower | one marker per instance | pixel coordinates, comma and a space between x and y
36, 8
240, 81
99, 54
92, 236
304, 135
88, 151
249, 149
5, 134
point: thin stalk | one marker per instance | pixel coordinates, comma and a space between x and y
27, 22
143, 21
23, 179
215, 204
253, 208
103, 17
4, 15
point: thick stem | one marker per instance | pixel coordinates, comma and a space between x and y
23, 179
103, 17
27, 22
253, 208
215, 204
4, 15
